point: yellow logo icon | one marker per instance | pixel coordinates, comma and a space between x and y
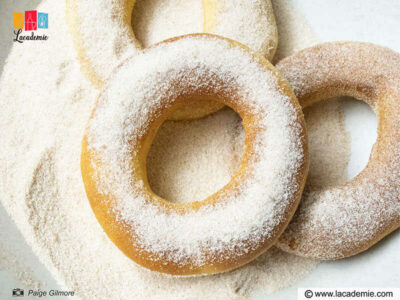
18, 20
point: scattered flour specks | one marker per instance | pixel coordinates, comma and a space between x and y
44, 113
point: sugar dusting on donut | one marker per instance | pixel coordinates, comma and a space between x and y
154, 21
250, 22
341, 221
239, 223
102, 34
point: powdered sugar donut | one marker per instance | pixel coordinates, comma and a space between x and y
237, 223
251, 23
344, 220
103, 36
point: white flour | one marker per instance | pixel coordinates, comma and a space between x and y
157, 20
45, 104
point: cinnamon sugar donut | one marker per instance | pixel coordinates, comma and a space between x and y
344, 220
237, 223
103, 36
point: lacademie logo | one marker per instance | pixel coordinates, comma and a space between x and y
30, 20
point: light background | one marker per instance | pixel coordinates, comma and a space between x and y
370, 21
362, 20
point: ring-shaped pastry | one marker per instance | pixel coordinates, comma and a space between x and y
237, 223
103, 36
344, 220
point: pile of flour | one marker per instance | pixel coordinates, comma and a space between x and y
45, 106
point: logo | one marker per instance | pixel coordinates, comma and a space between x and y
19, 20
30, 20
308, 294
43, 20
17, 292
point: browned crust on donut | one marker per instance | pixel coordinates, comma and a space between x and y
369, 73
191, 111
116, 230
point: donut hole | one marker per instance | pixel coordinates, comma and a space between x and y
157, 20
341, 133
190, 160
361, 123
154, 21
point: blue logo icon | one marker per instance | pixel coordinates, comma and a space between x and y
43, 20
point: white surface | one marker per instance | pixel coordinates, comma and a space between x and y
363, 20
361, 123
25, 260
377, 22
11, 240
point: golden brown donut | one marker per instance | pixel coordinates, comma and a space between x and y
344, 220
103, 37
237, 223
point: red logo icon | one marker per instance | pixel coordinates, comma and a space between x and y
30, 20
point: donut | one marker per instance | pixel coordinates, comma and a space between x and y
237, 223
103, 37
343, 220
251, 23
